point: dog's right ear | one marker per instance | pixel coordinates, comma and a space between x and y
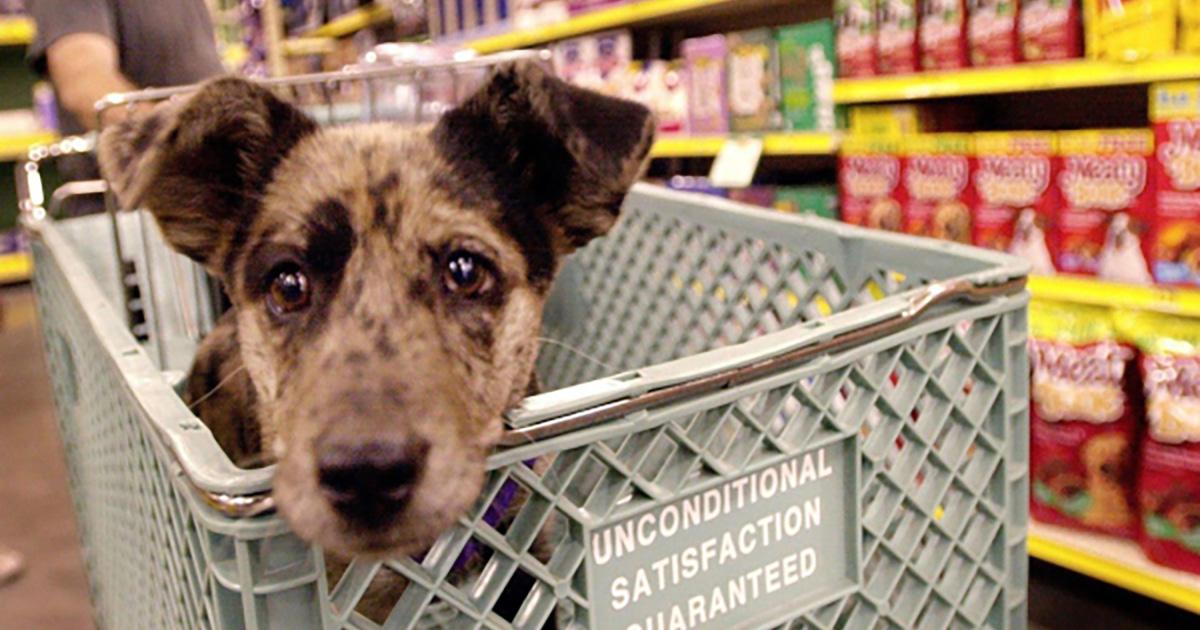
200, 164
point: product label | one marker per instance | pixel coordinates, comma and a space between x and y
1079, 382
855, 43
898, 36
1176, 231
992, 32
870, 191
936, 192
706, 84
1049, 29
1172, 398
943, 34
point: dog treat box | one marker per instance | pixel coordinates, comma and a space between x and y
1015, 196
1107, 203
856, 37
935, 176
898, 51
1083, 419
705, 60
752, 79
869, 182
1168, 487
806, 76
1049, 29
1175, 234
992, 32
942, 34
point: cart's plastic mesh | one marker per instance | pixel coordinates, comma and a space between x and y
937, 412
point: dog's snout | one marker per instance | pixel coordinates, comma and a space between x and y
370, 482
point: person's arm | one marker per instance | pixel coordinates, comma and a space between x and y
84, 67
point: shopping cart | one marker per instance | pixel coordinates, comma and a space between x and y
752, 420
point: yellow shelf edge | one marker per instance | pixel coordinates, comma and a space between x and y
353, 21
599, 20
797, 143
1026, 77
16, 31
14, 146
1175, 301
301, 46
1053, 545
16, 267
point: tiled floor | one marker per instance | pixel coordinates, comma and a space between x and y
36, 516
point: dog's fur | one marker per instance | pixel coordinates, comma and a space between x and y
387, 353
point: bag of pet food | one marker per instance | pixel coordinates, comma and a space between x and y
1049, 30
1129, 30
856, 37
1083, 419
1175, 233
1168, 488
1015, 196
942, 34
992, 32
898, 50
1107, 203
936, 178
869, 182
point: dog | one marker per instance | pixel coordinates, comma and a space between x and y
387, 281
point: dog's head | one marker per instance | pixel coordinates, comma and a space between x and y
388, 280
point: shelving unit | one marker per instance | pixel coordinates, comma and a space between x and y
778, 144
14, 147
1099, 293
1118, 562
1025, 77
353, 21
16, 31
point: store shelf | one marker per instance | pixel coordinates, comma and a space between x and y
302, 46
602, 19
1099, 293
14, 146
1118, 562
15, 268
1027, 77
353, 21
16, 31
773, 144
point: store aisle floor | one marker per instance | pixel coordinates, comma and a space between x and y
36, 515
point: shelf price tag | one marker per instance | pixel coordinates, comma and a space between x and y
736, 162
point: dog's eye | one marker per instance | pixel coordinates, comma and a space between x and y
289, 291
466, 274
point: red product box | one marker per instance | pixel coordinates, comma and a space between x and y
1083, 420
869, 187
856, 37
898, 51
937, 186
1175, 236
1107, 204
943, 34
1015, 197
1049, 29
992, 32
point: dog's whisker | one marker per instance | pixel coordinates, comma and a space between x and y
569, 348
217, 387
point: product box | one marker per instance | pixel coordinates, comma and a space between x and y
869, 182
992, 32
752, 81
1129, 30
762, 196
1049, 29
614, 53
574, 61
1168, 475
898, 52
856, 41
1175, 234
942, 34
887, 120
936, 177
1107, 204
1015, 195
1083, 420
705, 61
818, 200
806, 76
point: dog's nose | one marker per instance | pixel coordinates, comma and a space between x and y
370, 482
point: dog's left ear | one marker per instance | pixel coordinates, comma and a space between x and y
541, 147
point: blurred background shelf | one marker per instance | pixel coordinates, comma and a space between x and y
1100, 293
13, 147
353, 21
773, 144
1025, 77
16, 31
1118, 562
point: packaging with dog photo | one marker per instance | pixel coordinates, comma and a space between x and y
869, 182
936, 178
1175, 234
1015, 197
1107, 203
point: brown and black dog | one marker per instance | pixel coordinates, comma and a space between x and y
387, 281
